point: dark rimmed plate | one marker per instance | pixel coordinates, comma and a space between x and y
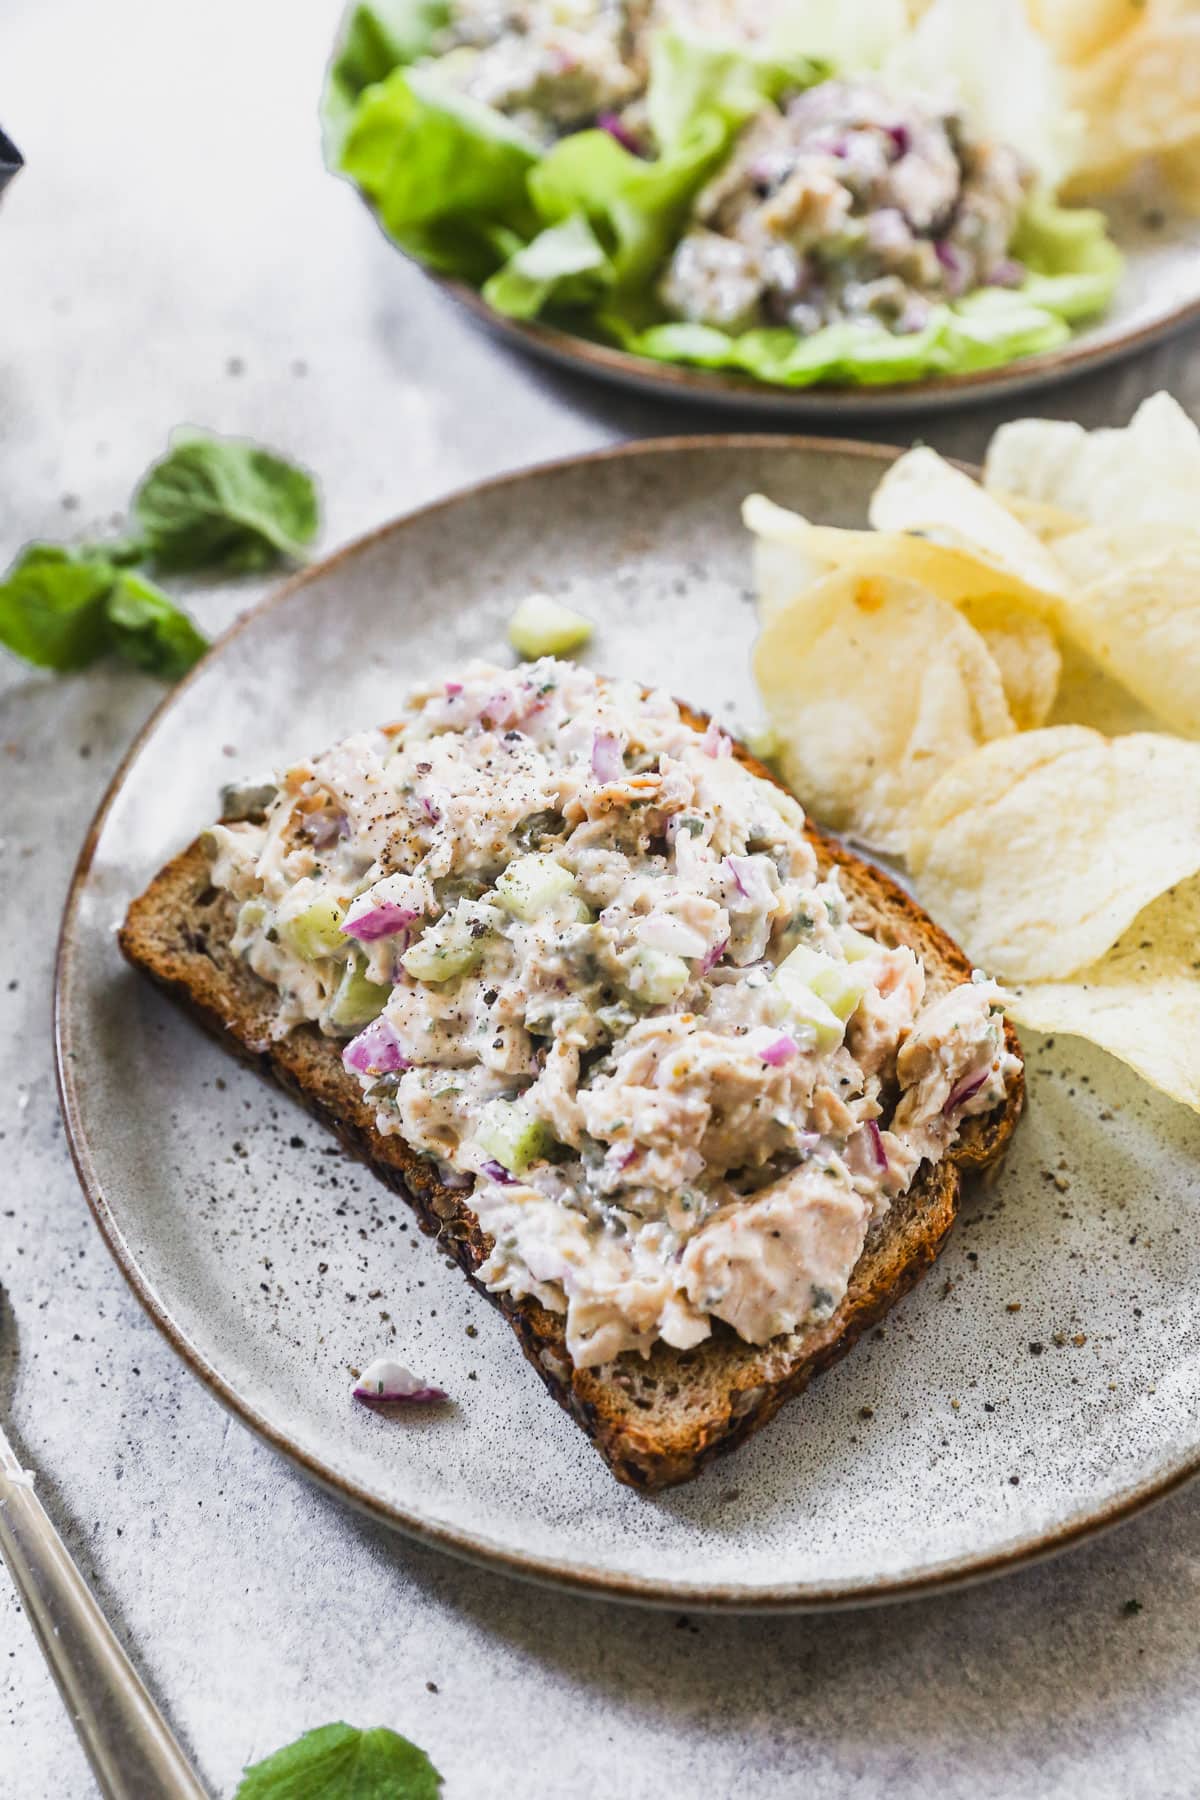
1014, 1403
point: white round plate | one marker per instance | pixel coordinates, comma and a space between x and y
1041, 1382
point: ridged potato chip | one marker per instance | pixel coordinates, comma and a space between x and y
1135, 609
1025, 651
1140, 1001
1140, 96
1037, 852
873, 687
923, 493
1147, 472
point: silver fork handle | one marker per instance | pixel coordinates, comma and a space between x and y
127, 1741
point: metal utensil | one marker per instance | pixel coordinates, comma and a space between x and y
126, 1740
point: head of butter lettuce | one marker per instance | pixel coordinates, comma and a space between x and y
580, 232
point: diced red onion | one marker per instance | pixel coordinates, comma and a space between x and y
497, 1172
714, 956
617, 128
384, 920
390, 1384
606, 756
749, 879
966, 1090
324, 828
954, 264
430, 810
876, 1136
375, 1051
780, 1050
453, 689
1007, 273
715, 742
900, 137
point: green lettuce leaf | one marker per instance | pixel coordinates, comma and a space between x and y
1073, 269
582, 231
222, 503
375, 39
338, 1762
63, 609
52, 607
447, 176
149, 630
633, 209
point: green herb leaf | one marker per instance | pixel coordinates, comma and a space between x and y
52, 607
63, 608
149, 630
221, 503
339, 1762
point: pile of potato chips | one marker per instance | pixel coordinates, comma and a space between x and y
999, 685
1133, 74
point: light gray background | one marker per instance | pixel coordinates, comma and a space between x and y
175, 253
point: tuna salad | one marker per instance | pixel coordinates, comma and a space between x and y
586, 964
849, 203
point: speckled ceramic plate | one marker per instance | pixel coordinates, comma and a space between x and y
1043, 1381
1159, 295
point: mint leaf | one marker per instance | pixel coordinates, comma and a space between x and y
149, 630
52, 607
221, 503
63, 608
339, 1762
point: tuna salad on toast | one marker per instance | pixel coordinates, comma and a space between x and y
688, 1090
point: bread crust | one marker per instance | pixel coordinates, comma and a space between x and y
656, 1421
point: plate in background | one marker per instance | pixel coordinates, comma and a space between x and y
1039, 1384
1159, 295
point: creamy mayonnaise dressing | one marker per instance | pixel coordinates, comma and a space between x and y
588, 965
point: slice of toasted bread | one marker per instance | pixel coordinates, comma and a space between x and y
655, 1421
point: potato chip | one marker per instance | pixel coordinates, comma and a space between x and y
1077, 29
1044, 521
1140, 95
873, 687
790, 552
921, 492
1140, 1001
1180, 169
1088, 695
1023, 648
1146, 473
1135, 609
1037, 852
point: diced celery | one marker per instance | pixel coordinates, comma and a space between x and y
544, 627
509, 1134
532, 884
453, 946
797, 978
357, 1000
841, 985
857, 944
657, 977
251, 914
316, 931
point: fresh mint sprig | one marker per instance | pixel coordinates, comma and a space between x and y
215, 505
339, 1762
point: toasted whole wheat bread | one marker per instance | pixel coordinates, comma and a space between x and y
659, 1420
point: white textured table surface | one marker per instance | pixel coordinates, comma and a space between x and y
175, 253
